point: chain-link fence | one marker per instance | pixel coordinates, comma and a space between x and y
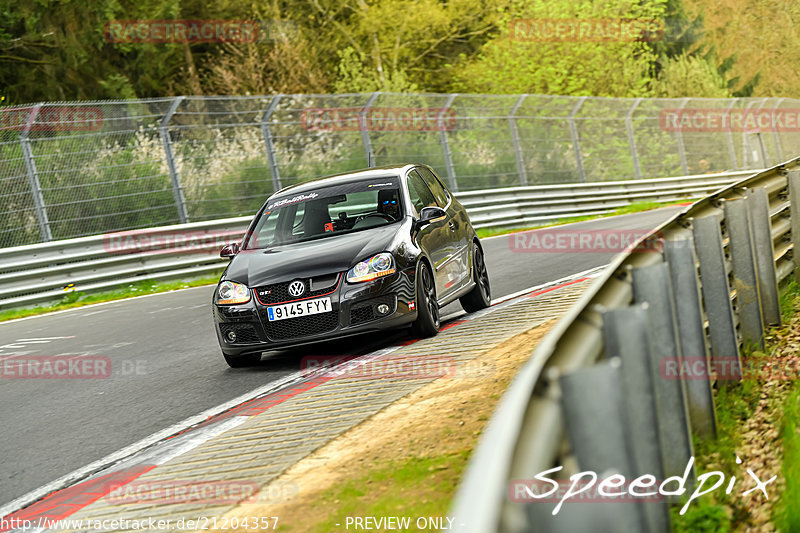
82, 168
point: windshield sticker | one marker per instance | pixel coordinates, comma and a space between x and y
381, 185
293, 200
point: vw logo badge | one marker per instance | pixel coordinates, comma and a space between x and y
296, 288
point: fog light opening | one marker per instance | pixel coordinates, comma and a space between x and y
383, 309
231, 336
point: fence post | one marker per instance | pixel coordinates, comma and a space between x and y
716, 290
576, 142
764, 253
33, 177
681, 146
745, 277
729, 137
683, 273
761, 144
652, 285
266, 132
632, 140
364, 127
448, 159
775, 135
512, 122
166, 140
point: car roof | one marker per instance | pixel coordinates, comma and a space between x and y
347, 177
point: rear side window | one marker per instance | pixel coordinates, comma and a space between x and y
442, 197
420, 195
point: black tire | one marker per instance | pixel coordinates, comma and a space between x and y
480, 297
243, 360
427, 322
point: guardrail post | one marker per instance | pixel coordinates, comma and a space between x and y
716, 290
266, 132
764, 253
632, 139
592, 399
793, 181
512, 122
745, 278
576, 141
679, 137
448, 158
39, 206
652, 285
625, 336
364, 127
683, 274
166, 141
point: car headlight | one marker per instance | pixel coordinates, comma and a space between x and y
375, 267
229, 292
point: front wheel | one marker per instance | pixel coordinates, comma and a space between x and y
242, 361
480, 297
427, 323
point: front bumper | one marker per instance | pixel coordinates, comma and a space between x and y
354, 311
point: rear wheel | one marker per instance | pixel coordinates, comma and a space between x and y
427, 323
480, 297
243, 360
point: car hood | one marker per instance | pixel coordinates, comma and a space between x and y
312, 258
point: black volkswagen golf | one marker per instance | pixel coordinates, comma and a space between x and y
347, 254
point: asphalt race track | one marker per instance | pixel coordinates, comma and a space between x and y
166, 365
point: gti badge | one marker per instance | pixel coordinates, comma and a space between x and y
296, 288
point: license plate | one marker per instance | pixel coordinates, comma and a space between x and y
296, 309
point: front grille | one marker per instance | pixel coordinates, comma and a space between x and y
245, 333
303, 326
366, 311
279, 292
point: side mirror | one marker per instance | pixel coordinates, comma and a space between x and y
229, 250
429, 215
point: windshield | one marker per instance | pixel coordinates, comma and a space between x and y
327, 211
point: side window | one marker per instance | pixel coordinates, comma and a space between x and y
420, 195
442, 197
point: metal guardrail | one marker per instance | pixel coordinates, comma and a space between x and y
594, 394
42, 272
74, 169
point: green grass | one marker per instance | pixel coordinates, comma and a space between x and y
419, 486
73, 299
636, 207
